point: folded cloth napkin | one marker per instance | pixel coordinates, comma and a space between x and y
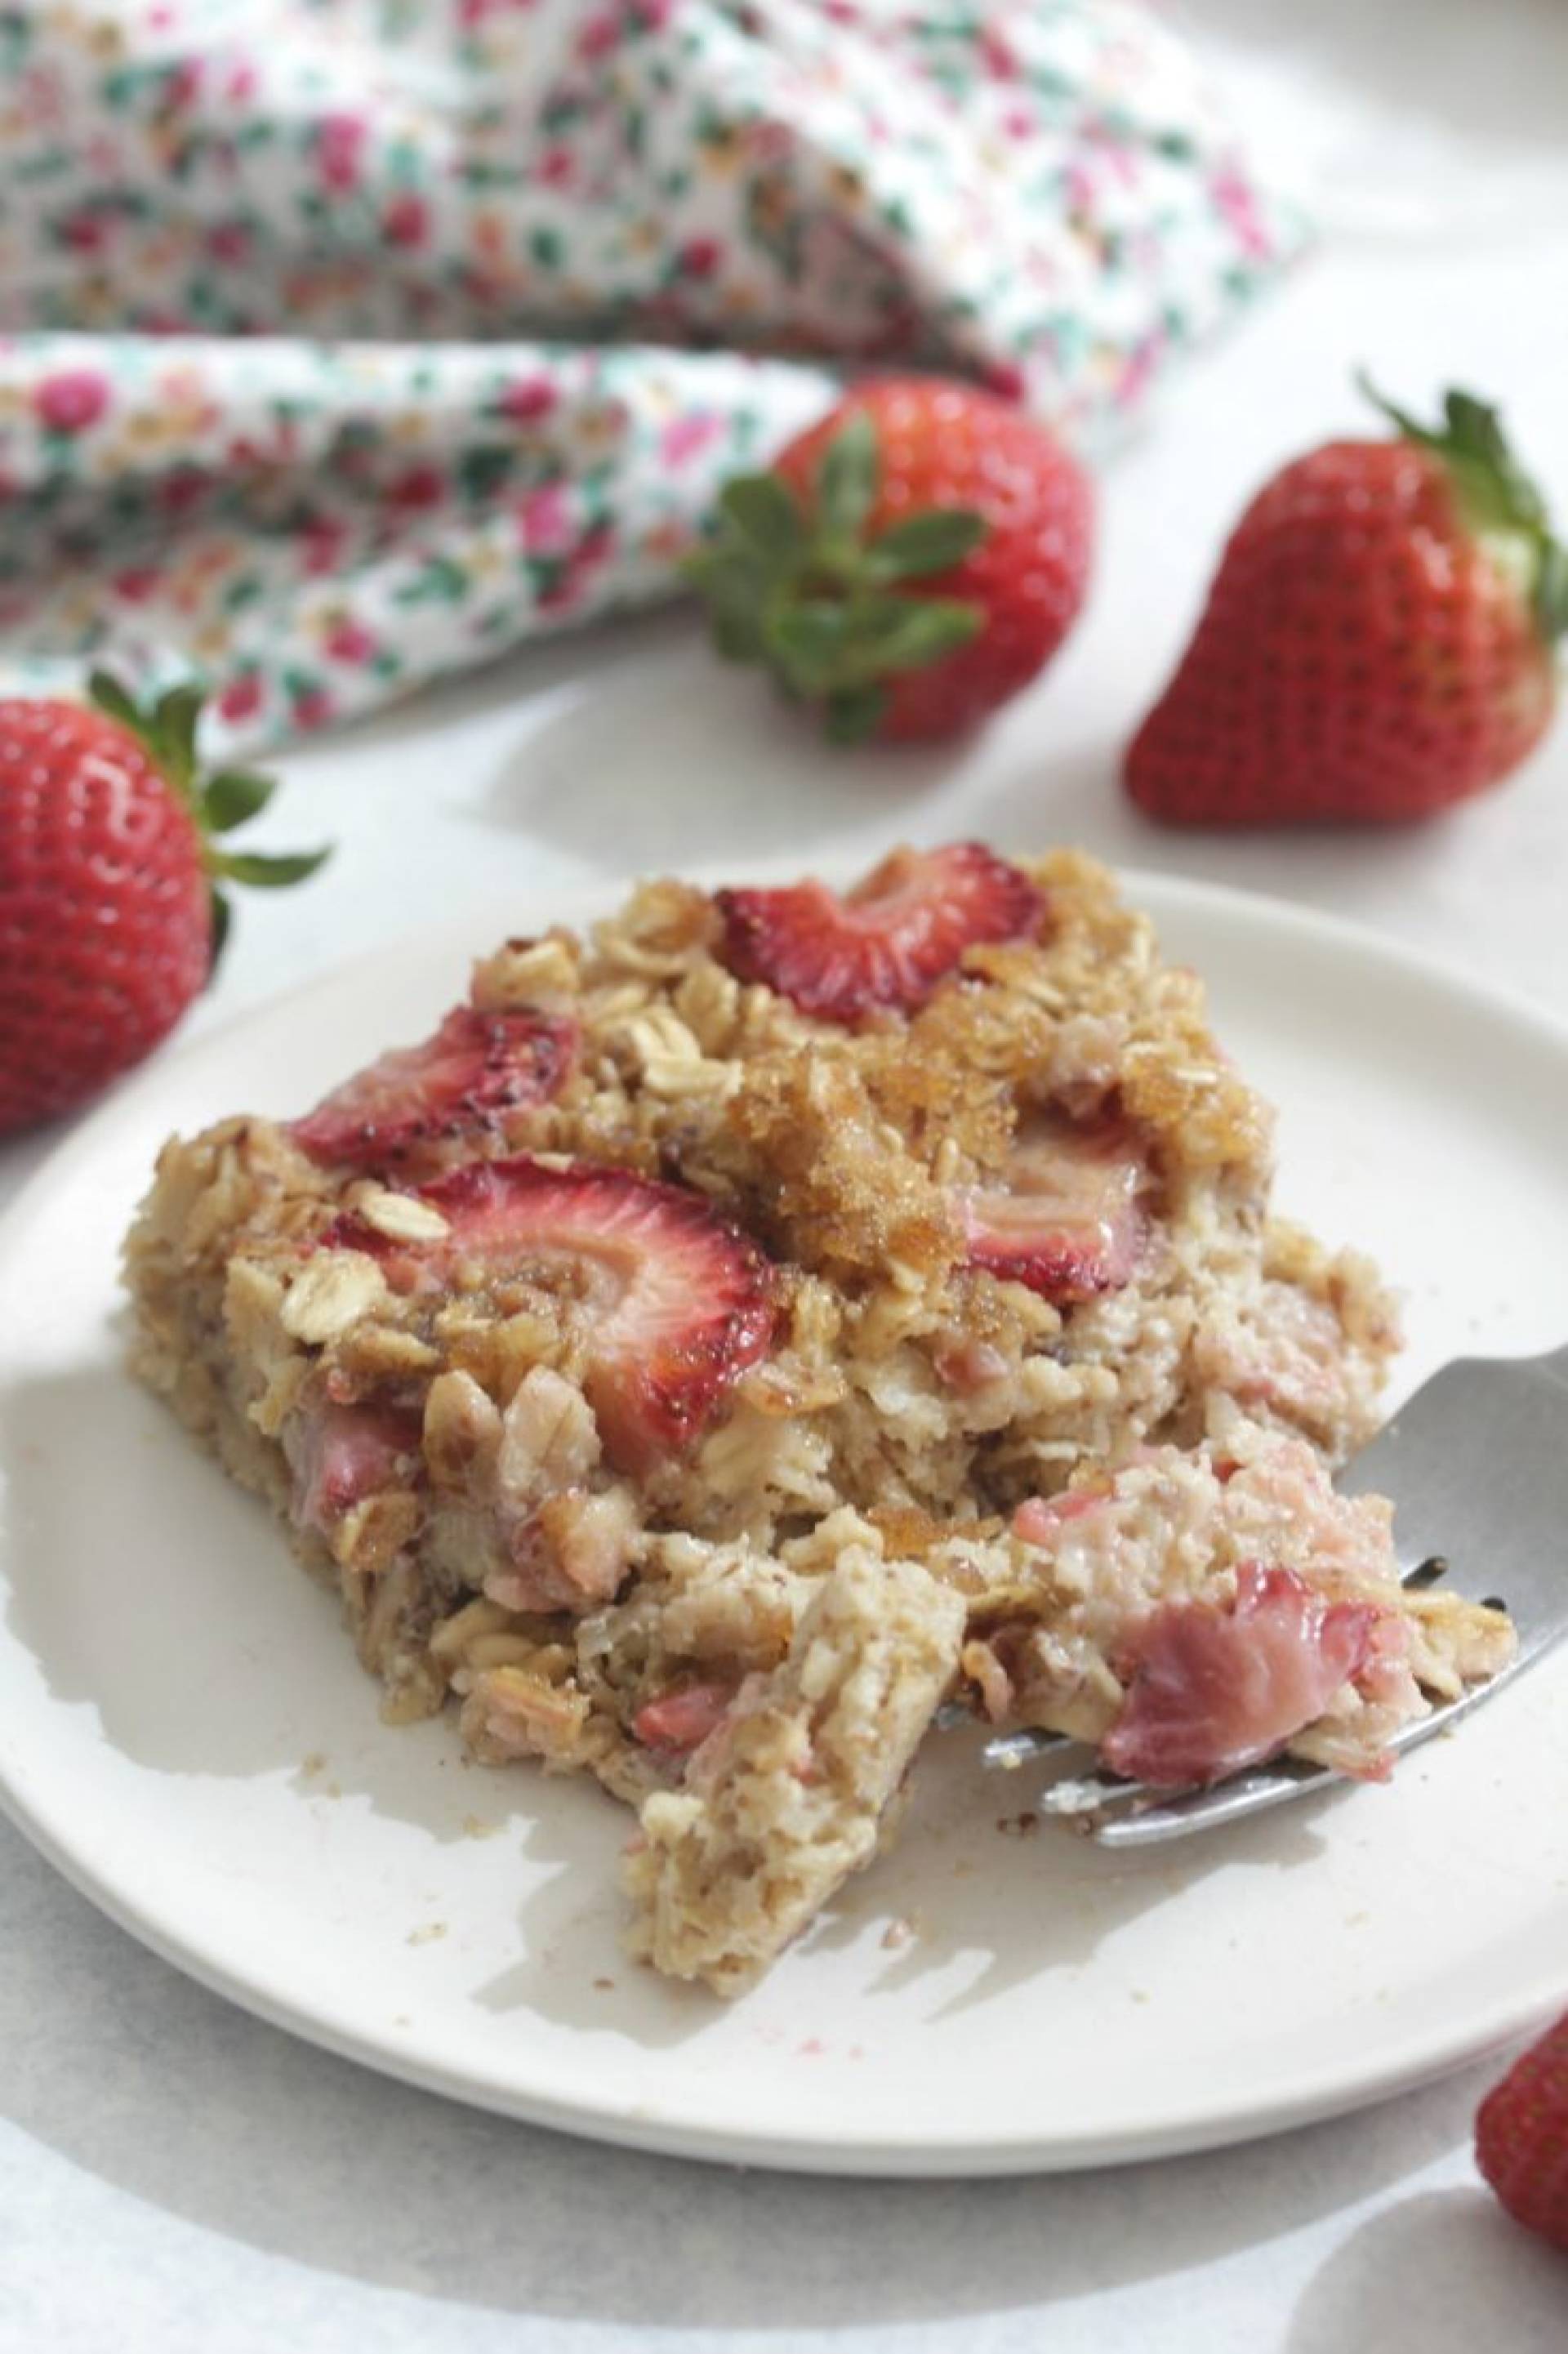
349, 341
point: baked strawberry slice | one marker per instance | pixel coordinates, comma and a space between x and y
889, 941
1214, 1689
671, 1303
1066, 1218
476, 1066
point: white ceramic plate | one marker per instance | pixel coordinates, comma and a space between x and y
184, 1730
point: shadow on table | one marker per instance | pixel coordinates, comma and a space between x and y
117, 1621
674, 760
1441, 2271
1014, 1899
147, 2080
1071, 793
681, 760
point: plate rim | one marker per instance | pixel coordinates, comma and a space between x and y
1418, 2057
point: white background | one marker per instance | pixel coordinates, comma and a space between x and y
172, 2174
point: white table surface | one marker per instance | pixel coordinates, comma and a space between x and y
175, 2175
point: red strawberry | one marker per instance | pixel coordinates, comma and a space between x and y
1522, 2138
110, 915
889, 942
476, 1066
1377, 643
1065, 1218
676, 1303
906, 564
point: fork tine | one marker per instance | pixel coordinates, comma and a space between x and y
1143, 1816
1003, 1749
1477, 1420
1010, 1749
1189, 1811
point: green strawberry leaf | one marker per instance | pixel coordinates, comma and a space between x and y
762, 513
1473, 424
1552, 592
1401, 419
219, 803
810, 641
932, 542
735, 590
854, 712
107, 694
267, 871
737, 637
800, 585
1475, 436
222, 919
847, 476
1496, 499
906, 633
232, 796
172, 733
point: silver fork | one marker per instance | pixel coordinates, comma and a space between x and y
1477, 1466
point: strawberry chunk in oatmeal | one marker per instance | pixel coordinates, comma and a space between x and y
1065, 1220
1212, 1689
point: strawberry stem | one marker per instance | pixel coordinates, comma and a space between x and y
814, 593
1498, 501
166, 730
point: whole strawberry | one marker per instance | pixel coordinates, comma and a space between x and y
111, 915
1522, 2138
906, 564
1377, 645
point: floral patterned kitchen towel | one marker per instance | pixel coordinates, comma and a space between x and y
346, 342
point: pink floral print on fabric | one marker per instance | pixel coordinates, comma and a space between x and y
274, 403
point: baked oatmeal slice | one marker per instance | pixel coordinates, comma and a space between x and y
581, 1345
